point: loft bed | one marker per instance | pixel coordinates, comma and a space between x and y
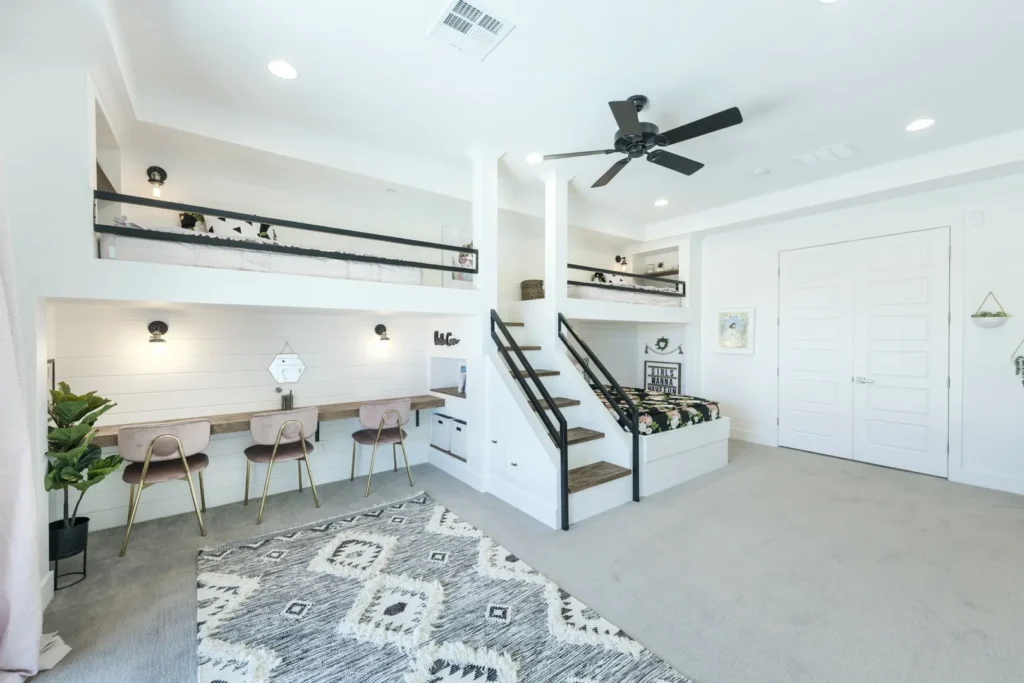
215, 238
663, 412
609, 285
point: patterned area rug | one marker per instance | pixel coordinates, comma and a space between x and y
401, 593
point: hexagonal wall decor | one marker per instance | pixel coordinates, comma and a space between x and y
287, 367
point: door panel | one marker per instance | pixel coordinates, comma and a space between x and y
816, 349
901, 351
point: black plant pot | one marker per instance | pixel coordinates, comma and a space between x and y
68, 542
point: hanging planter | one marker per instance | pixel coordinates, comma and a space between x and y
990, 319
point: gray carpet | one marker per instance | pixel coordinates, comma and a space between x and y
784, 567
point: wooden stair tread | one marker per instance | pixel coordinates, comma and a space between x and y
524, 347
582, 435
595, 474
562, 403
507, 324
540, 373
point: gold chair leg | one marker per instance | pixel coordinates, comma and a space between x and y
405, 455
352, 477
248, 466
373, 457
394, 455
133, 505
266, 484
138, 495
312, 486
192, 490
131, 499
299, 465
202, 491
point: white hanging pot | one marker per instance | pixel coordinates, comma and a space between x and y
990, 321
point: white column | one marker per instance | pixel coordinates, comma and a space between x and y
485, 239
556, 247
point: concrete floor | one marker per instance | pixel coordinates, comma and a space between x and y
783, 567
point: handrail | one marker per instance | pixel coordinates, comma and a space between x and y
624, 288
560, 435
629, 419
636, 276
283, 223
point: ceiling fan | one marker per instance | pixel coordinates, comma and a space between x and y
637, 138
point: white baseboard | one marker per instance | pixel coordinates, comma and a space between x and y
987, 480
46, 589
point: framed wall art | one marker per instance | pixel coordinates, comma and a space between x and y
735, 331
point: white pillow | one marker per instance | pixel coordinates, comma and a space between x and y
229, 227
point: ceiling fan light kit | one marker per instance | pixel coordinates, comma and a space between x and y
636, 138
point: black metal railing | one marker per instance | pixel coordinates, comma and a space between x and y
270, 245
628, 418
559, 434
679, 285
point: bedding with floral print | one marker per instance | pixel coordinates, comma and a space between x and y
664, 412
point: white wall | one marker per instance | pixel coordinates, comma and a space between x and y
740, 269
215, 361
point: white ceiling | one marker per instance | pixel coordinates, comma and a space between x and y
806, 75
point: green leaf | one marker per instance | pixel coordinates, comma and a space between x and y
98, 471
67, 438
91, 418
50, 481
66, 413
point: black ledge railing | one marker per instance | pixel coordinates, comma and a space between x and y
269, 245
679, 285
628, 417
560, 433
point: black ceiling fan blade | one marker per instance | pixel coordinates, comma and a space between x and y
708, 124
674, 162
570, 155
611, 172
626, 117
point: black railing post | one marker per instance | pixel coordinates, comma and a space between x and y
636, 456
563, 447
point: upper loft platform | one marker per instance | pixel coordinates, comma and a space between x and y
231, 251
594, 293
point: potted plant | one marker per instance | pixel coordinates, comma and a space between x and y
990, 319
74, 462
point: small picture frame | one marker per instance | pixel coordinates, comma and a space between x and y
734, 331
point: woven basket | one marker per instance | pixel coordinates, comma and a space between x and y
532, 289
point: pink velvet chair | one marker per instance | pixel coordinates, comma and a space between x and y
381, 422
281, 435
162, 452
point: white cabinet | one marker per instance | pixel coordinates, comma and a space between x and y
458, 438
441, 432
515, 467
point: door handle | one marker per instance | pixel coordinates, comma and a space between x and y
864, 380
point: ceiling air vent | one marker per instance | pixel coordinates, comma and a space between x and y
471, 29
826, 155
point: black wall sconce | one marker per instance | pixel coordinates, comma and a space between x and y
621, 260
382, 332
157, 330
156, 177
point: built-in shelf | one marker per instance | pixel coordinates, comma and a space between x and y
450, 391
457, 457
664, 273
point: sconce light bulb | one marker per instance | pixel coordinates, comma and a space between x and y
156, 191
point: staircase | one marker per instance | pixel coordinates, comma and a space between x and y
549, 410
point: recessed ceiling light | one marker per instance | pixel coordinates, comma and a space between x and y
828, 2
920, 124
661, 202
283, 69
534, 158
764, 170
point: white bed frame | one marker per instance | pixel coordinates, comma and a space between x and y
669, 458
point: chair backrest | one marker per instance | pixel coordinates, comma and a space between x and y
265, 426
370, 414
134, 441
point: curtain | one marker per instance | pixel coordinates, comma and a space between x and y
20, 610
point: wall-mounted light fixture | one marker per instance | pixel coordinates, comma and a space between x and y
157, 330
382, 332
621, 260
156, 177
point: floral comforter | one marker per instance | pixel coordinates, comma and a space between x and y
665, 412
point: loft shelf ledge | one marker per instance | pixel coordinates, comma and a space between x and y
450, 391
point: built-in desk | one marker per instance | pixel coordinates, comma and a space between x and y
239, 422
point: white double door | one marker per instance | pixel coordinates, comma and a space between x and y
864, 350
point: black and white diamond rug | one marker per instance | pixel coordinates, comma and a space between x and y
401, 593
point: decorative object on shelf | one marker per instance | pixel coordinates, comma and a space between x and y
532, 289
599, 277
382, 332
649, 268
157, 330
661, 348
193, 221
464, 260
661, 265
73, 461
445, 339
51, 373
287, 400
735, 331
287, 366
990, 319
462, 378
156, 177
621, 260
663, 378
